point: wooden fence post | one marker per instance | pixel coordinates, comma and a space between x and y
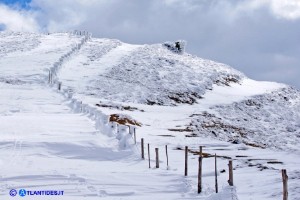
186, 161
285, 184
157, 158
129, 130
200, 171
167, 156
149, 155
142, 148
216, 174
230, 181
134, 135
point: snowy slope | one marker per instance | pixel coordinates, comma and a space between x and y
46, 146
148, 74
17, 42
49, 144
269, 120
31, 56
62, 140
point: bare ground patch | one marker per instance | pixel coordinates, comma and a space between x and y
124, 120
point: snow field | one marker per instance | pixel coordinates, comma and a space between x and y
45, 145
49, 141
61, 140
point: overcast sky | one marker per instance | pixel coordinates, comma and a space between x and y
258, 37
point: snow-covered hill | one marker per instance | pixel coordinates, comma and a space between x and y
269, 120
148, 74
54, 139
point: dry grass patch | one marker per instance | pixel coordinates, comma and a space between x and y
124, 120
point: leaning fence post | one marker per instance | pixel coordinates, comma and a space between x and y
157, 158
149, 155
186, 161
167, 156
142, 148
200, 171
230, 181
216, 174
285, 184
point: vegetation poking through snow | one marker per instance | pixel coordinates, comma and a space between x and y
153, 75
261, 121
112, 105
124, 119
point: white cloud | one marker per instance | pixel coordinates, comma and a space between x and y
289, 9
69, 14
285, 9
61, 15
17, 20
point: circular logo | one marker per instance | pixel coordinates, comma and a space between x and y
13, 192
22, 192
